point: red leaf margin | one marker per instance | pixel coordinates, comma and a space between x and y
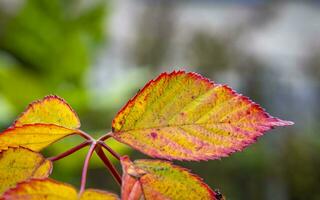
47, 98
197, 178
274, 121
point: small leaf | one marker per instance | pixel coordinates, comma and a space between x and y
20, 164
41, 124
33, 136
93, 194
40, 189
48, 189
159, 180
187, 117
50, 110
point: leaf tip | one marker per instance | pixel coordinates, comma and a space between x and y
39, 112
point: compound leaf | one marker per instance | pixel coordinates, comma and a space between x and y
48, 189
159, 180
187, 117
20, 164
41, 124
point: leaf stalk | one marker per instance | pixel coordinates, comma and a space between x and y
85, 167
108, 164
70, 151
110, 150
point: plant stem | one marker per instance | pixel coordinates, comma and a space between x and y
70, 151
109, 165
111, 151
105, 137
85, 135
85, 167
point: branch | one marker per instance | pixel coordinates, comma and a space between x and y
108, 164
106, 136
85, 167
85, 135
70, 151
111, 151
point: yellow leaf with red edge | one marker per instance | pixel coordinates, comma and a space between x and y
41, 124
20, 164
161, 180
187, 117
48, 189
41, 189
50, 110
33, 136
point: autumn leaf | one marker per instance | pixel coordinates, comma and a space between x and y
50, 110
187, 117
20, 164
48, 189
161, 180
34, 136
43, 123
93, 194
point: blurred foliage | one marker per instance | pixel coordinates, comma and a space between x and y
47, 46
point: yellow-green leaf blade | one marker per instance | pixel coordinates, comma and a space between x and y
20, 164
44, 170
185, 116
33, 136
41, 189
159, 180
50, 110
48, 189
93, 194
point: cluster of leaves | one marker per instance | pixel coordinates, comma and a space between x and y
177, 116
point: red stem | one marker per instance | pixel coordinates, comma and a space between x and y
85, 167
70, 151
105, 137
85, 135
109, 165
111, 151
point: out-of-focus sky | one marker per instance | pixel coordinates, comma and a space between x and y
97, 54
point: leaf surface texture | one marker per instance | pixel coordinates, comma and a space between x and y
187, 117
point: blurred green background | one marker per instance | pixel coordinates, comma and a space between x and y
97, 54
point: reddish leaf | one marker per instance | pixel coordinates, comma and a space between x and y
186, 117
160, 180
